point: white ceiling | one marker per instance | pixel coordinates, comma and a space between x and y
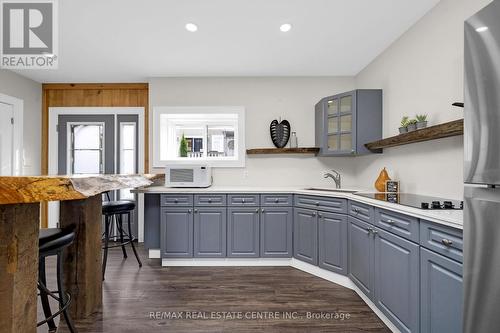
131, 40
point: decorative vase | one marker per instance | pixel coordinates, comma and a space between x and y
280, 132
421, 124
412, 127
382, 178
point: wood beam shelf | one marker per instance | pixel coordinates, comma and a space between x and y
267, 151
452, 128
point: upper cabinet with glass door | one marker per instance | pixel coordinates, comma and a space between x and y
345, 122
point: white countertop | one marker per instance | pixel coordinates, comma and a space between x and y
453, 218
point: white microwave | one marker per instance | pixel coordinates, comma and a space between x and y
188, 176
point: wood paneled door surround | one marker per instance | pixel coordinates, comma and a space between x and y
91, 95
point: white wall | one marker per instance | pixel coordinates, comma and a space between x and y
422, 72
30, 92
265, 99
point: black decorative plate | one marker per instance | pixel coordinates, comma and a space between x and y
280, 132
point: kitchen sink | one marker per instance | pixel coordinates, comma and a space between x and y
325, 189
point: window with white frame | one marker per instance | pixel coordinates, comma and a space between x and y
192, 135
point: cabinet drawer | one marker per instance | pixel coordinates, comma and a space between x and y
442, 239
209, 199
276, 200
243, 199
361, 211
176, 200
334, 205
399, 224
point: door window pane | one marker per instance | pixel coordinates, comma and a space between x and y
346, 141
128, 136
333, 142
346, 104
86, 148
333, 125
346, 123
87, 136
86, 162
333, 106
128, 155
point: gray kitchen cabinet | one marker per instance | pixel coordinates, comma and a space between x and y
361, 256
276, 232
176, 232
397, 280
441, 293
332, 242
305, 235
209, 232
243, 232
345, 122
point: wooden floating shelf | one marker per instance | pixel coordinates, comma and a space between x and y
452, 128
267, 151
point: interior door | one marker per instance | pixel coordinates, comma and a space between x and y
100, 144
6, 139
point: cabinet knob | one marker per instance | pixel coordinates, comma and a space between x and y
391, 221
263, 210
446, 242
176, 200
196, 211
319, 215
242, 200
355, 210
369, 230
189, 211
317, 203
209, 200
257, 210
375, 232
276, 200
314, 214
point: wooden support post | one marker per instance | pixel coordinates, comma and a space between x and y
19, 224
82, 260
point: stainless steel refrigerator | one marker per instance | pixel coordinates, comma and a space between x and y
482, 172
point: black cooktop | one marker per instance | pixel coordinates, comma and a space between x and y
415, 200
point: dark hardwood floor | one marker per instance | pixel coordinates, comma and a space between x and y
132, 294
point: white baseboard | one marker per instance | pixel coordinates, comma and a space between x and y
292, 262
154, 254
227, 262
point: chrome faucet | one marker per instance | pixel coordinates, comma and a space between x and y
335, 176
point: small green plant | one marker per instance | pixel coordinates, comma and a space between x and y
412, 121
421, 117
404, 121
183, 147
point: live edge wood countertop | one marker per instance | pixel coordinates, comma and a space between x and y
30, 189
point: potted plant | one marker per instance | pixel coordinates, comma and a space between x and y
412, 125
403, 126
183, 147
421, 121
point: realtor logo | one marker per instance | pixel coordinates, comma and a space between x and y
29, 34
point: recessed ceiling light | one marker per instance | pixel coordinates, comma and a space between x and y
286, 27
482, 29
191, 27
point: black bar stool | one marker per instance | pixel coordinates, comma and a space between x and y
114, 210
52, 243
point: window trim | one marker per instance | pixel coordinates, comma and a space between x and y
240, 136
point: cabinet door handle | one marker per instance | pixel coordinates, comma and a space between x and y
263, 210
319, 215
209, 200
375, 232
257, 210
176, 201
391, 221
369, 230
355, 210
189, 211
242, 200
196, 211
446, 242
317, 203
314, 214
276, 200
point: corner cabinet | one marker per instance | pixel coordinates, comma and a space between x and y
345, 122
